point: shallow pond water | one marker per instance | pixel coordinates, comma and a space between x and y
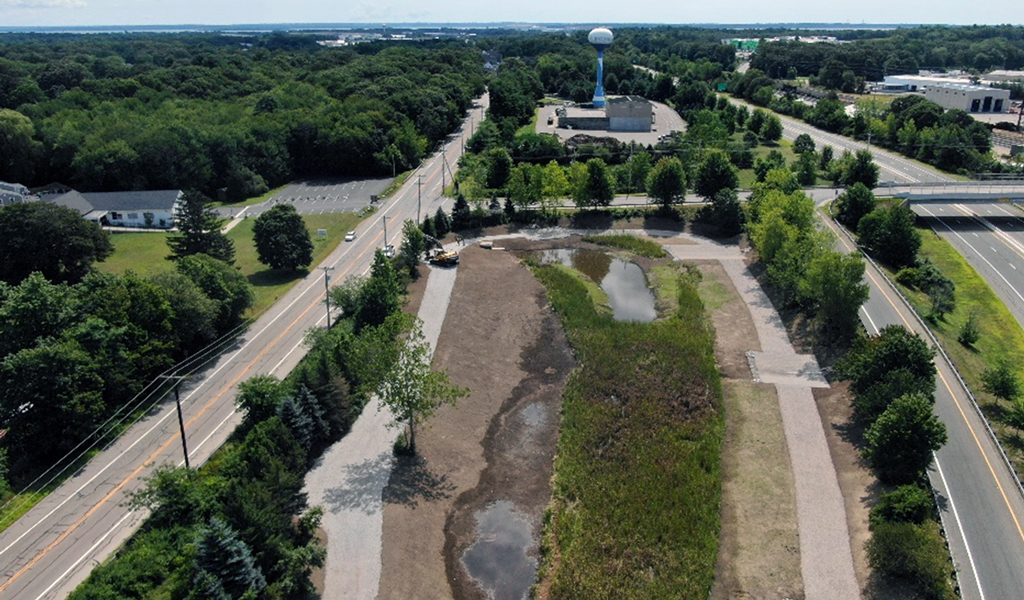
623, 281
499, 561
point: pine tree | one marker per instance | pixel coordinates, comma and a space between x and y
298, 421
441, 222
199, 231
221, 554
460, 213
309, 404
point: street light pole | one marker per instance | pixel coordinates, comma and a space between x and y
181, 421
327, 295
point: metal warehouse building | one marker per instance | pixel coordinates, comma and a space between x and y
970, 98
629, 113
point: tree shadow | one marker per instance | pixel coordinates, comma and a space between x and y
412, 481
272, 277
361, 485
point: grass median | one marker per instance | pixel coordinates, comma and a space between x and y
637, 487
1001, 336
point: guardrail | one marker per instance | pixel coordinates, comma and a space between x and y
938, 346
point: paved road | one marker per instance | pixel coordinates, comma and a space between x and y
981, 507
55, 545
991, 238
893, 167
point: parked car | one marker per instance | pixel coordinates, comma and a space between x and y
389, 251
350, 236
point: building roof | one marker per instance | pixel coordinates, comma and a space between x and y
102, 202
72, 200
133, 201
969, 88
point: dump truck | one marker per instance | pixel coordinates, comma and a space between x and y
437, 255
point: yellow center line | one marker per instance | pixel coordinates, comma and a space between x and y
963, 414
984, 454
173, 438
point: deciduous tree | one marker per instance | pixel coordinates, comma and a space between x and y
901, 441
412, 391
51, 239
282, 239
666, 183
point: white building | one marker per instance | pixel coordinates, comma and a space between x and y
14, 192
970, 98
152, 210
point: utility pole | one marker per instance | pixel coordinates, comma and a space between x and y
181, 421
327, 295
385, 220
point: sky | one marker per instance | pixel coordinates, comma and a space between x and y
227, 12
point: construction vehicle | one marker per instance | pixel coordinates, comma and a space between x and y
437, 255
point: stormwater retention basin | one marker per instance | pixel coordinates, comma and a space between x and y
499, 561
623, 281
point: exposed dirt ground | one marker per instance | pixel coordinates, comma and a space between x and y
501, 340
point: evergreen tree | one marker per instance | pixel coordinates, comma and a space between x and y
428, 227
461, 216
441, 223
199, 231
308, 403
221, 554
411, 249
298, 421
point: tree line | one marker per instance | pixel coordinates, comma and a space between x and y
873, 55
948, 139
211, 112
80, 347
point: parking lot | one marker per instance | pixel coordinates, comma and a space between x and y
316, 197
666, 121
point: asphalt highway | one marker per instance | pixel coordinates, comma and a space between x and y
980, 500
53, 547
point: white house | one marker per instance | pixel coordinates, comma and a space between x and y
150, 209
14, 192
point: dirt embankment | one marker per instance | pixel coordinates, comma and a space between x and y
484, 467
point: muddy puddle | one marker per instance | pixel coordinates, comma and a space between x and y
623, 281
499, 561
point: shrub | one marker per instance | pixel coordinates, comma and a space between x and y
912, 553
969, 333
905, 504
1001, 381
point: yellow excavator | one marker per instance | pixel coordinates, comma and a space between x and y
437, 255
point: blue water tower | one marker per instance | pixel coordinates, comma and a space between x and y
600, 38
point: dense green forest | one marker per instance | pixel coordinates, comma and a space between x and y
873, 55
200, 111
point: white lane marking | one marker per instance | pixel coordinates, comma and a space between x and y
956, 516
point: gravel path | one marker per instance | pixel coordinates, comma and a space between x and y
349, 478
826, 560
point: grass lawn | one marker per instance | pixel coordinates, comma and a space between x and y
1001, 336
145, 253
637, 485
